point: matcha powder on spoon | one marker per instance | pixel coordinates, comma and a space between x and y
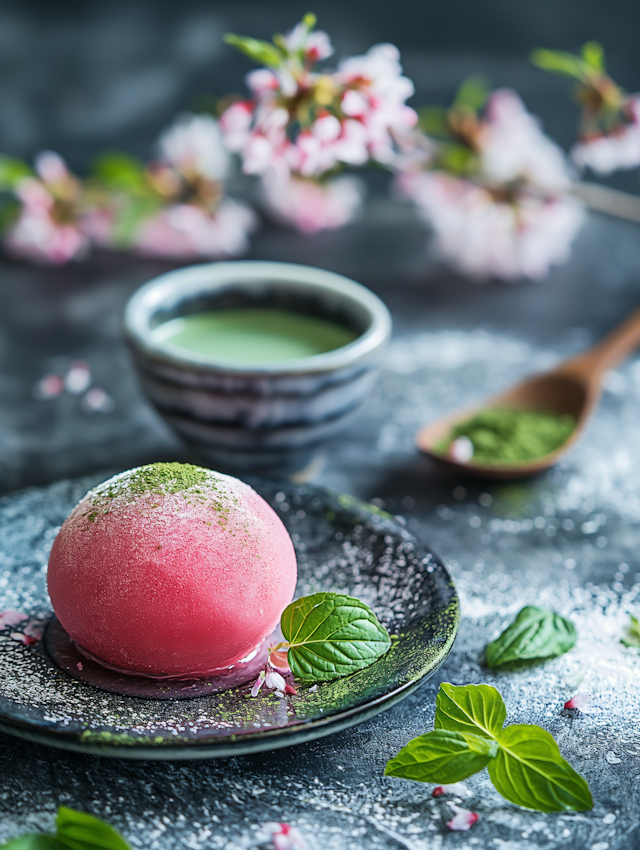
502, 436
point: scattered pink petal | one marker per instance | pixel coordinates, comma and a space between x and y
48, 387
278, 659
11, 618
255, 690
34, 629
79, 665
275, 681
284, 836
98, 401
78, 378
578, 701
289, 689
463, 819
457, 788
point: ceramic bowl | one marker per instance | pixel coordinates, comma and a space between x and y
262, 417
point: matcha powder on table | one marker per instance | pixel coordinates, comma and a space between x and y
508, 436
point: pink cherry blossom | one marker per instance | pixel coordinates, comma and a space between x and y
620, 149
186, 230
375, 94
484, 236
278, 660
578, 701
303, 123
514, 148
463, 819
10, 618
309, 205
47, 229
283, 836
274, 680
193, 146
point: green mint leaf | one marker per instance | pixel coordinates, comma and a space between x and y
81, 831
529, 771
331, 635
470, 709
560, 62
632, 636
33, 841
535, 634
261, 52
442, 757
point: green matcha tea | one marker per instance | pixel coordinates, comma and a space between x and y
252, 335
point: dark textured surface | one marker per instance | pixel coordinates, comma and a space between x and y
568, 539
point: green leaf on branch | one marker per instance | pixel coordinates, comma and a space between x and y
119, 171
331, 635
262, 52
535, 634
632, 636
443, 757
12, 171
74, 831
530, 772
472, 93
474, 709
560, 62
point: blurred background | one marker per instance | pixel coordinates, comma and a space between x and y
81, 77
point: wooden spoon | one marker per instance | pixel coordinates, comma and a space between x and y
572, 387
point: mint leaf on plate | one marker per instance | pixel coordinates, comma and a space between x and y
478, 709
529, 771
442, 757
535, 634
330, 635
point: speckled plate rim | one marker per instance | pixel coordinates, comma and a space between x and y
275, 739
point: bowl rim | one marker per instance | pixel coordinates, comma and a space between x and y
193, 280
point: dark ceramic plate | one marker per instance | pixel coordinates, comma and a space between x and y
342, 545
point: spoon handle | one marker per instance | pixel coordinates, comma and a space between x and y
607, 353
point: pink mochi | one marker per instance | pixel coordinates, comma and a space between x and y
177, 579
